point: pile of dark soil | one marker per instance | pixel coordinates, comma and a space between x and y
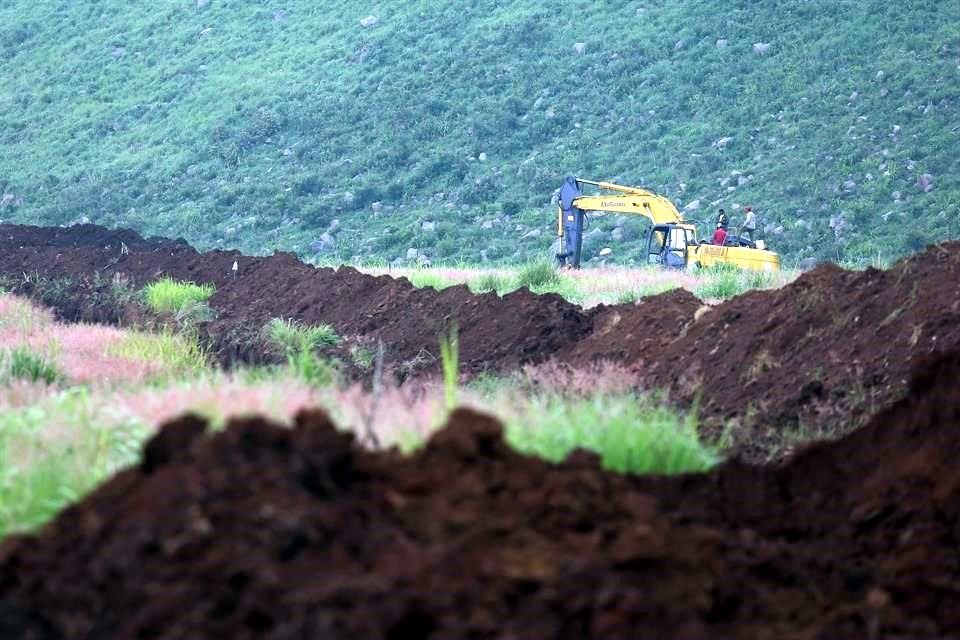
77, 270
815, 358
634, 333
820, 355
264, 531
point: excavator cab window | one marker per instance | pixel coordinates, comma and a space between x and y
667, 246
655, 241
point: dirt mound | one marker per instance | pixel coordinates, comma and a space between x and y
631, 333
821, 354
265, 531
815, 358
77, 275
81, 235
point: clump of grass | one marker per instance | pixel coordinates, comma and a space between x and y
363, 357
313, 369
450, 361
22, 317
300, 344
171, 296
22, 363
723, 282
726, 281
630, 434
421, 278
538, 275
293, 337
43, 469
489, 282
171, 353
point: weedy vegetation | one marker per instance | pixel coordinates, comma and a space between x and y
171, 296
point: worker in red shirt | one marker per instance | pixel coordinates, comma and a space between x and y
719, 236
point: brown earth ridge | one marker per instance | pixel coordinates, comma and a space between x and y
268, 531
818, 356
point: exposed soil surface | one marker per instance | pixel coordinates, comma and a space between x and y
817, 357
820, 355
265, 531
81, 267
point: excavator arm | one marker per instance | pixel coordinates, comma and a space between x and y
630, 200
573, 205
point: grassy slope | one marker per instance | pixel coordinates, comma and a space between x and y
247, 123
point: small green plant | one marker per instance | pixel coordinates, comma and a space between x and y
489, 282
723, 282
300, 344
450, 362
422, 278
293, 337
176, 353
170, 296
363, 357
314, 369
23, 364
538, 275
630, 434
193, 313
628, 297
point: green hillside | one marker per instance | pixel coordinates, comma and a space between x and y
342, 129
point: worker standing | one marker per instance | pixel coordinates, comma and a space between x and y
749, 224
722, 220
720, 235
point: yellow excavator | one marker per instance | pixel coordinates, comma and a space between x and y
671, 241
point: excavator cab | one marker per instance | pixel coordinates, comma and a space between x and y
668, 245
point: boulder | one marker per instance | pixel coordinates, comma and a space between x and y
761, 48
723, 142
369, 21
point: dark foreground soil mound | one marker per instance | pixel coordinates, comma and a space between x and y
820, 355
264, 531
